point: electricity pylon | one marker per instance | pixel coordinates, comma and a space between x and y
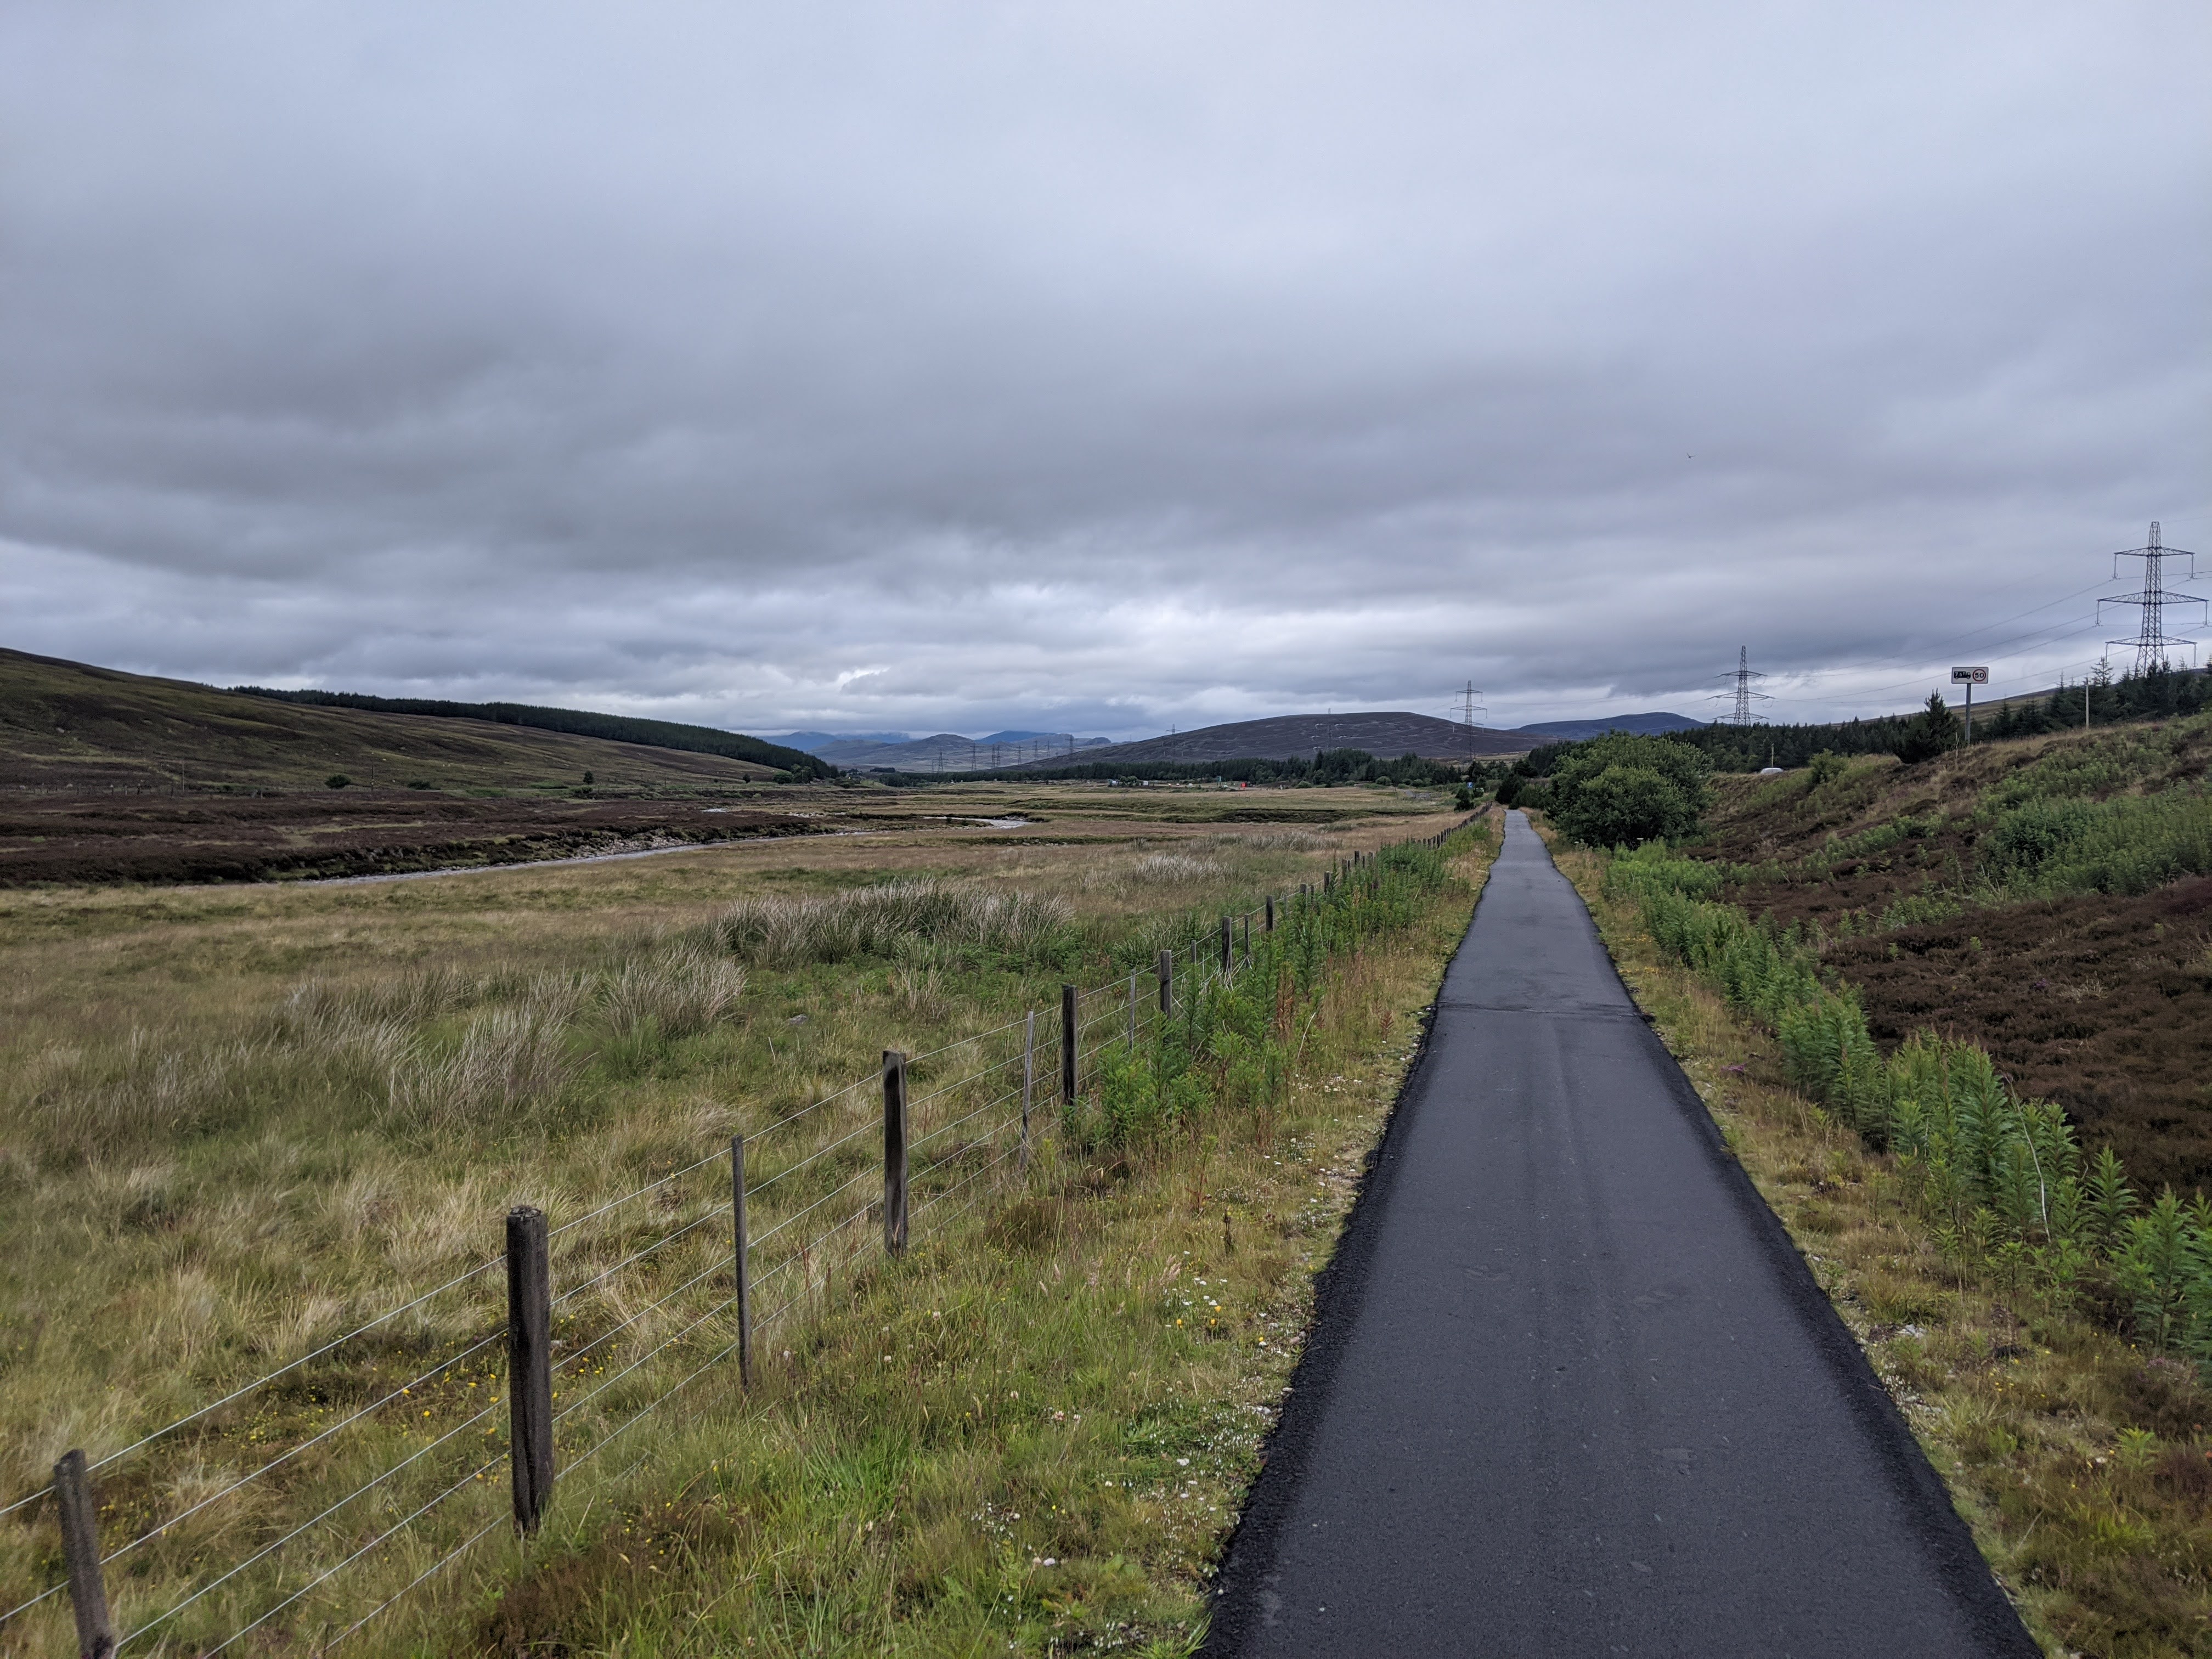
1744, 675
2152, 641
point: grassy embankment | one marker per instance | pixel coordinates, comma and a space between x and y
240, 1121
1989, 1267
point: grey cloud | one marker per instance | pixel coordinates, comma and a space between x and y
879, 366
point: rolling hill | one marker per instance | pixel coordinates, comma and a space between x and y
1387, 735
67, 725
1650, 725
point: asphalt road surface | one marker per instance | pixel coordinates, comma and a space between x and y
1571, 1389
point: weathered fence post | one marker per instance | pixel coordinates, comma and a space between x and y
1165, 967
95, 1631
1271, 913
1133, 1013
894, 1151
738, 1258
1067, 1048
529, 1366
1247, 946
1226, 937
1029, 1078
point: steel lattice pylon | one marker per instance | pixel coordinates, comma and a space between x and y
2152, 641
1744, 695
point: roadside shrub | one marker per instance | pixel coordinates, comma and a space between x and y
1621, 789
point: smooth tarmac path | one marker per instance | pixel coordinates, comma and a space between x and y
1571, 1390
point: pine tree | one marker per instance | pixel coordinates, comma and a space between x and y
1934, 731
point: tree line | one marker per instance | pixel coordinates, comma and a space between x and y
1325, 767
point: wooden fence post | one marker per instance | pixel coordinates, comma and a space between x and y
895, 1127
529, 1366
739, 1259
1164, 967
1271, 913
1067, 1014
1133, 1013
1029, 1078
95, 1631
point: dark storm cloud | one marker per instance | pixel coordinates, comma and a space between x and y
871, 366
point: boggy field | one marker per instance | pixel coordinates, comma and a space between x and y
160, 839
2048, 898
326, 833
238, 1122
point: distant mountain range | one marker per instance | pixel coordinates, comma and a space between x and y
949, 751
816, 743
1388, 735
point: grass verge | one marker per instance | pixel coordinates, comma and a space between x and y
2081, 1461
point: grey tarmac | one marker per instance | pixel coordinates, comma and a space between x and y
1571, 1390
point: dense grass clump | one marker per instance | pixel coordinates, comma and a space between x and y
787, 932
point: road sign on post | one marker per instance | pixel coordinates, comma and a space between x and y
1969, 678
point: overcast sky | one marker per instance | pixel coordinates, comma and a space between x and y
1099, 365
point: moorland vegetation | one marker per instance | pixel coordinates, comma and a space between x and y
241, 1120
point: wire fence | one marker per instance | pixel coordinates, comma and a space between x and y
392, 1452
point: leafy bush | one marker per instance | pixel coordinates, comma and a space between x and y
1621, 789
2055, 846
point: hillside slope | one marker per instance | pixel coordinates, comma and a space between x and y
67, 725
1386, 735
2049, 898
